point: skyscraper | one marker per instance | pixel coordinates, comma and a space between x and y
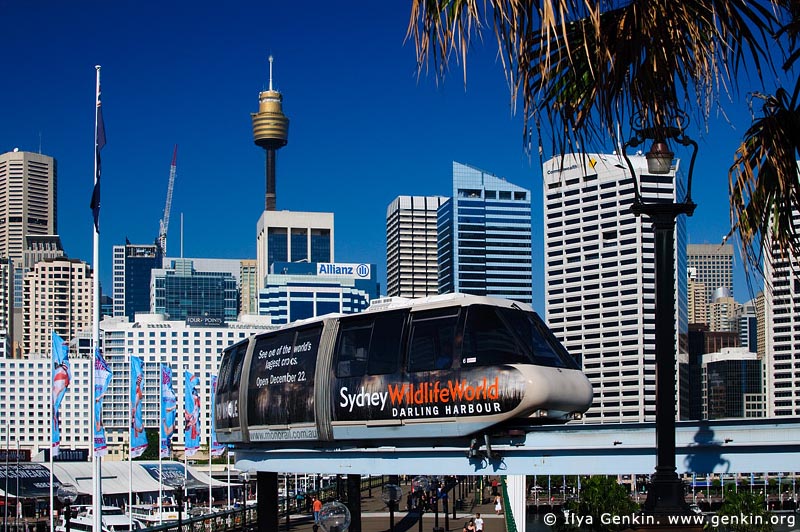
411, 246
58, 297
133, 265
782, 319
6, 306
298, 291
600, 278
732, 384
248, 284
698, 300
484, 233
180, 292
291, 236
712, 265
27, 205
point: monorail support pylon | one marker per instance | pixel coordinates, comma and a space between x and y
267, 500
354, 502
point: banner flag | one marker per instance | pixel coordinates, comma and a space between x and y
169, 410
99, 142
216, 447
102, 379
191, 413
138, 443
61, 377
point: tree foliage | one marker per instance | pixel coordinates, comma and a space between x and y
590, 67
153, 446
739, 504
599, 495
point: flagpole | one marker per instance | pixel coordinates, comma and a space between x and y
160, 439
131, 423
52, 416
210, 443
185, 454
96, 481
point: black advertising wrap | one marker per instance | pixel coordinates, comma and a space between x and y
281, 384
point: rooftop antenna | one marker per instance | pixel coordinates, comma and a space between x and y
270, 71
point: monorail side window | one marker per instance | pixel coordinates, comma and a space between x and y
386, 346
229, 380
352, 348
433, 335
370, 344
488, 341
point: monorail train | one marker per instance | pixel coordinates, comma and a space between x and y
437, 367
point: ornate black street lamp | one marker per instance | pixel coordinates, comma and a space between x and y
334, 517
665, 494
245, 477
179, 487
67, 494
420, 486
392, 494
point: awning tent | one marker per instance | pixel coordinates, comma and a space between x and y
34, 478
27, 479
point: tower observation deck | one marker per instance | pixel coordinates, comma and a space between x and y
271, 132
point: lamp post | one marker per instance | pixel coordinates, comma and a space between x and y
334, 517
665, 495
392, 493
179, 487
67, 494
420, 484
245, 477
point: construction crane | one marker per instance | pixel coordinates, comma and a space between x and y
164, 222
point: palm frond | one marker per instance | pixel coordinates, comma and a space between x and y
764, 184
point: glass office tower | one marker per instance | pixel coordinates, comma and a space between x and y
484, 233
181, 292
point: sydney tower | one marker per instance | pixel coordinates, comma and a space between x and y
271, 132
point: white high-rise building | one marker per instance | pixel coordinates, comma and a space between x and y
600, 277
25, 383
782, 335
411, 246
181, 345
25, 399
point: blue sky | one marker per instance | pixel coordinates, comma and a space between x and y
363, 127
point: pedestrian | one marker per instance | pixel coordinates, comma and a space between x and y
317, 507
498, 507
469, 527
478, 523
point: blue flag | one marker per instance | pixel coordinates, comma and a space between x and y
137, 434
99, 142
191, 413
102, 379
61, 377
169, 408
216, 447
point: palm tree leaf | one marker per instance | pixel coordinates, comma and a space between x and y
764, 184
